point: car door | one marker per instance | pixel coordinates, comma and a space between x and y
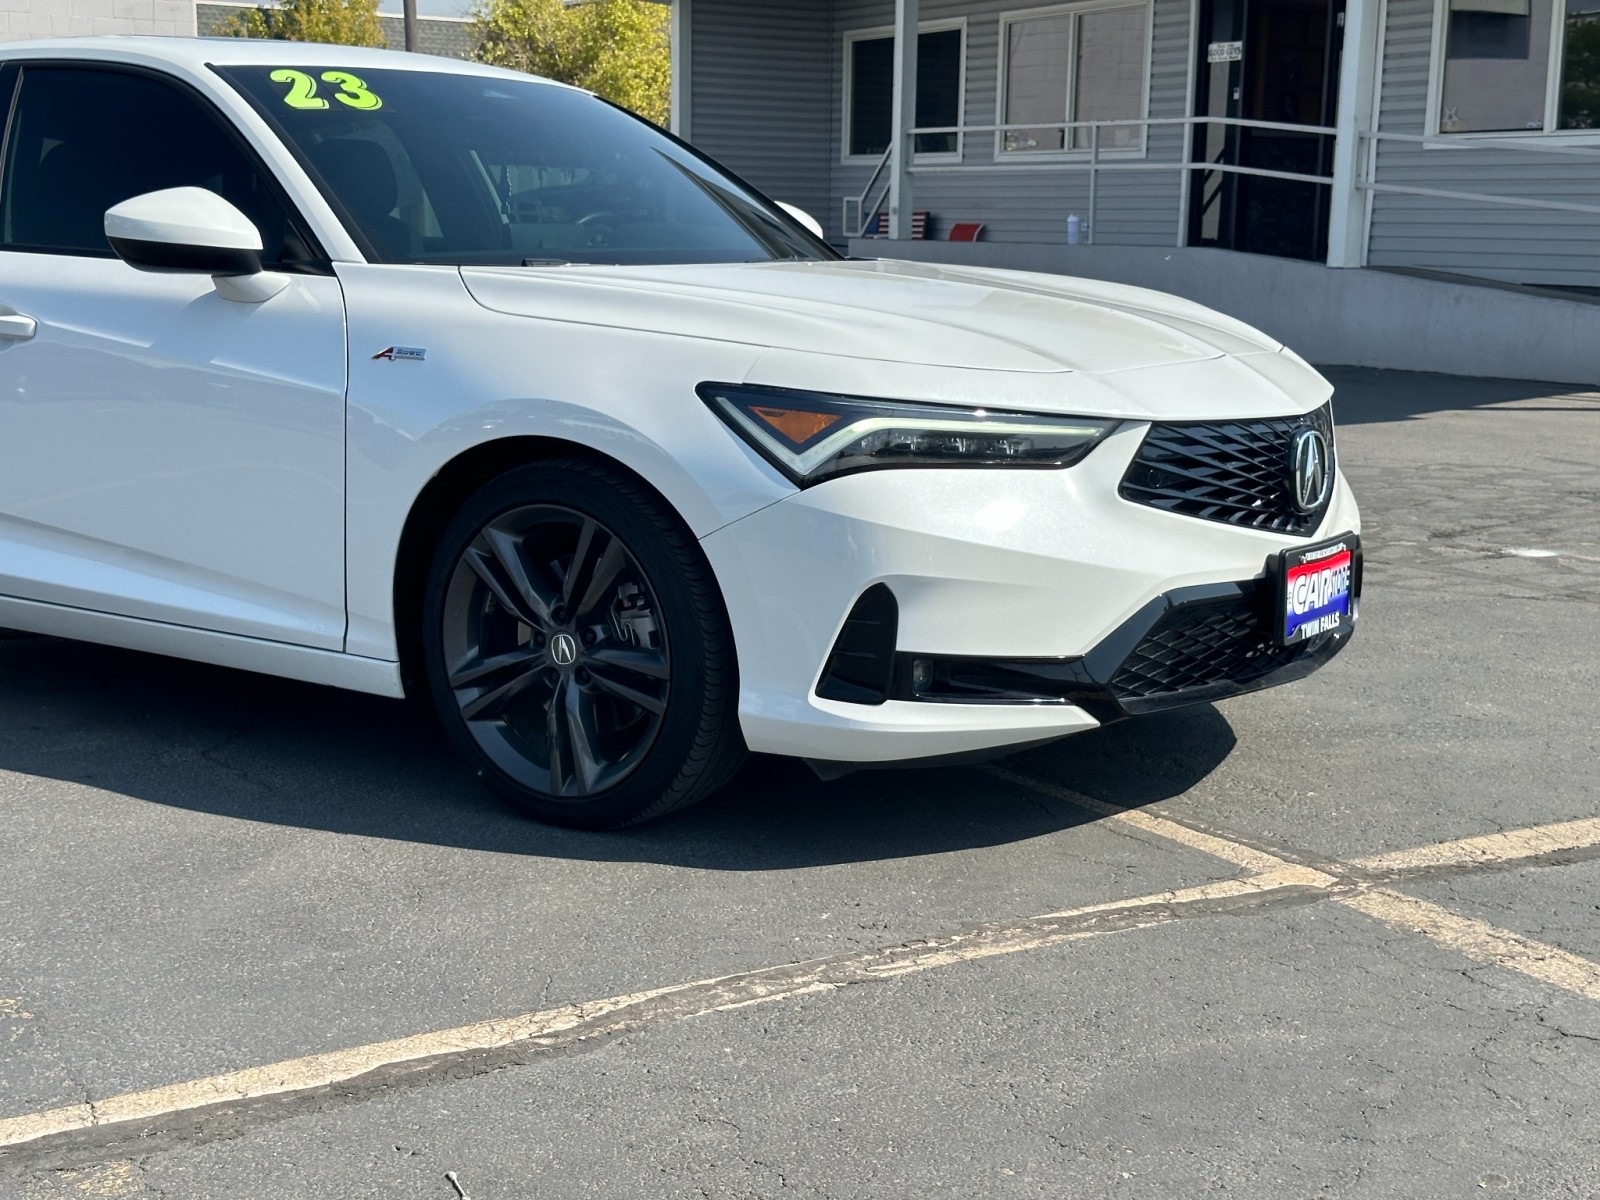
165, 453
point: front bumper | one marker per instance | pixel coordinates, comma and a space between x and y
984, 565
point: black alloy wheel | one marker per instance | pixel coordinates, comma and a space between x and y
577, 649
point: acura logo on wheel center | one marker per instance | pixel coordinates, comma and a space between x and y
1309, 474
563, 650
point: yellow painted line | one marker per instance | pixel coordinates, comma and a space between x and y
317, 1070
1472, 938
1227, 889
1285, 875
1480, 941
1497, 848
1206, 843
111, 1181
597, 1018
1263, 873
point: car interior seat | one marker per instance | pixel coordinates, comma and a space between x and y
362, 176
66, 204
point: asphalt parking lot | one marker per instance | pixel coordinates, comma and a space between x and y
1339, 939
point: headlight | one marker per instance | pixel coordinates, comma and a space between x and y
810, 436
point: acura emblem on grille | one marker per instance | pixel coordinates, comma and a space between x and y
1310, 476
563, 650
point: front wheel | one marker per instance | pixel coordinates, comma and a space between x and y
577, 649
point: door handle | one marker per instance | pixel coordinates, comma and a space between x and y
17, 327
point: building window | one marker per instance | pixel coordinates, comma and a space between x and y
869, 89
1579, 105
1514, 66
1087, 62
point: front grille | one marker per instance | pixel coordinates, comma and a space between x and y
1232, 471
1201, 645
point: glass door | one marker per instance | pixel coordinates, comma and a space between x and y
1273, 61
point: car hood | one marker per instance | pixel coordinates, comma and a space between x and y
923, 329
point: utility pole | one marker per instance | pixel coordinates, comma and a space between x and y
410, 10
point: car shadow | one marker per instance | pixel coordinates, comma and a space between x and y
1366, 396
254, 748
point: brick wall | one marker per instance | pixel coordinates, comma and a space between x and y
71, 18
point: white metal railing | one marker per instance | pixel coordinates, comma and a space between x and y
866, 207
1367, 180
1094, 164
865, 216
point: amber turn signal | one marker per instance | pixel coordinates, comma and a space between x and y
795, 424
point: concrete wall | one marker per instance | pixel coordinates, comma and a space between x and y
1360, 318
75, 18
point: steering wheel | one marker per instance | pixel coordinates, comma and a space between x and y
598, 227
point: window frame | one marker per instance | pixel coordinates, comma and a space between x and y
1552, 87
851, 37
1002, 77
317, 261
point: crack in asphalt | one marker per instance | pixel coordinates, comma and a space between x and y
101, 1139
1261, 889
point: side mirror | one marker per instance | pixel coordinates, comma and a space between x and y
805, 218
192, 231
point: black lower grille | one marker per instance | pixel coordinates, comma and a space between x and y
1218, 644
1237, 472
860, 668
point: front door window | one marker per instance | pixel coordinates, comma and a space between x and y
83, 140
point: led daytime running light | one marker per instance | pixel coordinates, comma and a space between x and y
811, 436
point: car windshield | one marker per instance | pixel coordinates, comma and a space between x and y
432, 167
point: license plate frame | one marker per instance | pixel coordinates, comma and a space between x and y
1300, 577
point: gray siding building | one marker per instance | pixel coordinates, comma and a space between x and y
1228, 148
1536, 241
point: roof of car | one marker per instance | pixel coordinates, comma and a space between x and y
195, 54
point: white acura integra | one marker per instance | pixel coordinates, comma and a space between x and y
383, 371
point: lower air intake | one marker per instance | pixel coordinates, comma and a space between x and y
1204, 645
860, 668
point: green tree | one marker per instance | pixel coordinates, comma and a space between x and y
618, 49
1580, 75
338, 22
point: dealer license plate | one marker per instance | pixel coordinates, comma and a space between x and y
1314, 589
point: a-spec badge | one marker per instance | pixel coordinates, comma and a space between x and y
402, 354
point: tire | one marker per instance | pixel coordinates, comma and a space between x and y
592, 700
